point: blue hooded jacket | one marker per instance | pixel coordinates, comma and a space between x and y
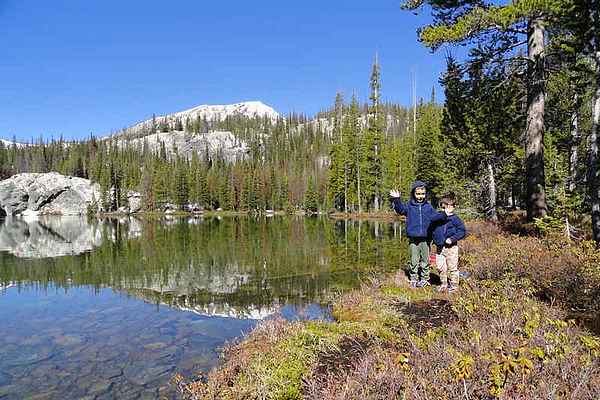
418, 215
452, 228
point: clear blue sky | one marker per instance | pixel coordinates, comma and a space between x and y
78, 67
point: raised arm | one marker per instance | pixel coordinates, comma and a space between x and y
399, 207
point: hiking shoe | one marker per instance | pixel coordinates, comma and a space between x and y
423, 283
413, 284
442, 288
452, 289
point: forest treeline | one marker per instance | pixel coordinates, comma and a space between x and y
286, 166
518, 129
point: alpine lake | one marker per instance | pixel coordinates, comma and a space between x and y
113, 308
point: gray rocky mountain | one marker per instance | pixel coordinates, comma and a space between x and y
168, 131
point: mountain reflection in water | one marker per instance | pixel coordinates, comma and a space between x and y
239, 267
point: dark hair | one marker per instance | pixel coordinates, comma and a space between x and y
448, 199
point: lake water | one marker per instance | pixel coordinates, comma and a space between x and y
113, 308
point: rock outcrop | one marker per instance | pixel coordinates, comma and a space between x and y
132, 206
134, 201
46, 194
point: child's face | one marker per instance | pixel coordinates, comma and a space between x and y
420, 194
449, 208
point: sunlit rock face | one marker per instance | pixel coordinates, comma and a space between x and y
48, 237
32, 194
168, 133
184, 144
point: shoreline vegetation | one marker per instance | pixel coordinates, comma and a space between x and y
524, 325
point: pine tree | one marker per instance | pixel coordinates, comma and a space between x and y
338, 168
160, 183
351, 132
181, 184
481, 125
430, 166
153, 126
373, 140
311, 198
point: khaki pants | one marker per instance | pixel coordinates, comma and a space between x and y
446, 261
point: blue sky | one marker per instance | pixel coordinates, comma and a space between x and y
77, 67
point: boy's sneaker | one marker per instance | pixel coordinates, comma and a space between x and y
423, 283
442, 288
413, 284
452, 289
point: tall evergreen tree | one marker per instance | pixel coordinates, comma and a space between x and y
498, 30
372, 164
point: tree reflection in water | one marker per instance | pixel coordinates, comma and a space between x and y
238, 266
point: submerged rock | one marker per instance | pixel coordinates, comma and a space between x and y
32, 194
141, 374
4, 379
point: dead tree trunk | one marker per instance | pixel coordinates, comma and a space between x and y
345, 187
593, 178
574, 151
492, 214
358, 190
534, 135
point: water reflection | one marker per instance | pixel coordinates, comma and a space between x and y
236, 267
48, 237
111, 308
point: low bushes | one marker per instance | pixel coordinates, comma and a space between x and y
561, 272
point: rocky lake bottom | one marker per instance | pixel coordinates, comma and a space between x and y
102, 345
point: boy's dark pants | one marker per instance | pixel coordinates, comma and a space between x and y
419, 259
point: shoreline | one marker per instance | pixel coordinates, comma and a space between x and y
382, 215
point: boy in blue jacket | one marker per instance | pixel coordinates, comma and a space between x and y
446, 235
419, 215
